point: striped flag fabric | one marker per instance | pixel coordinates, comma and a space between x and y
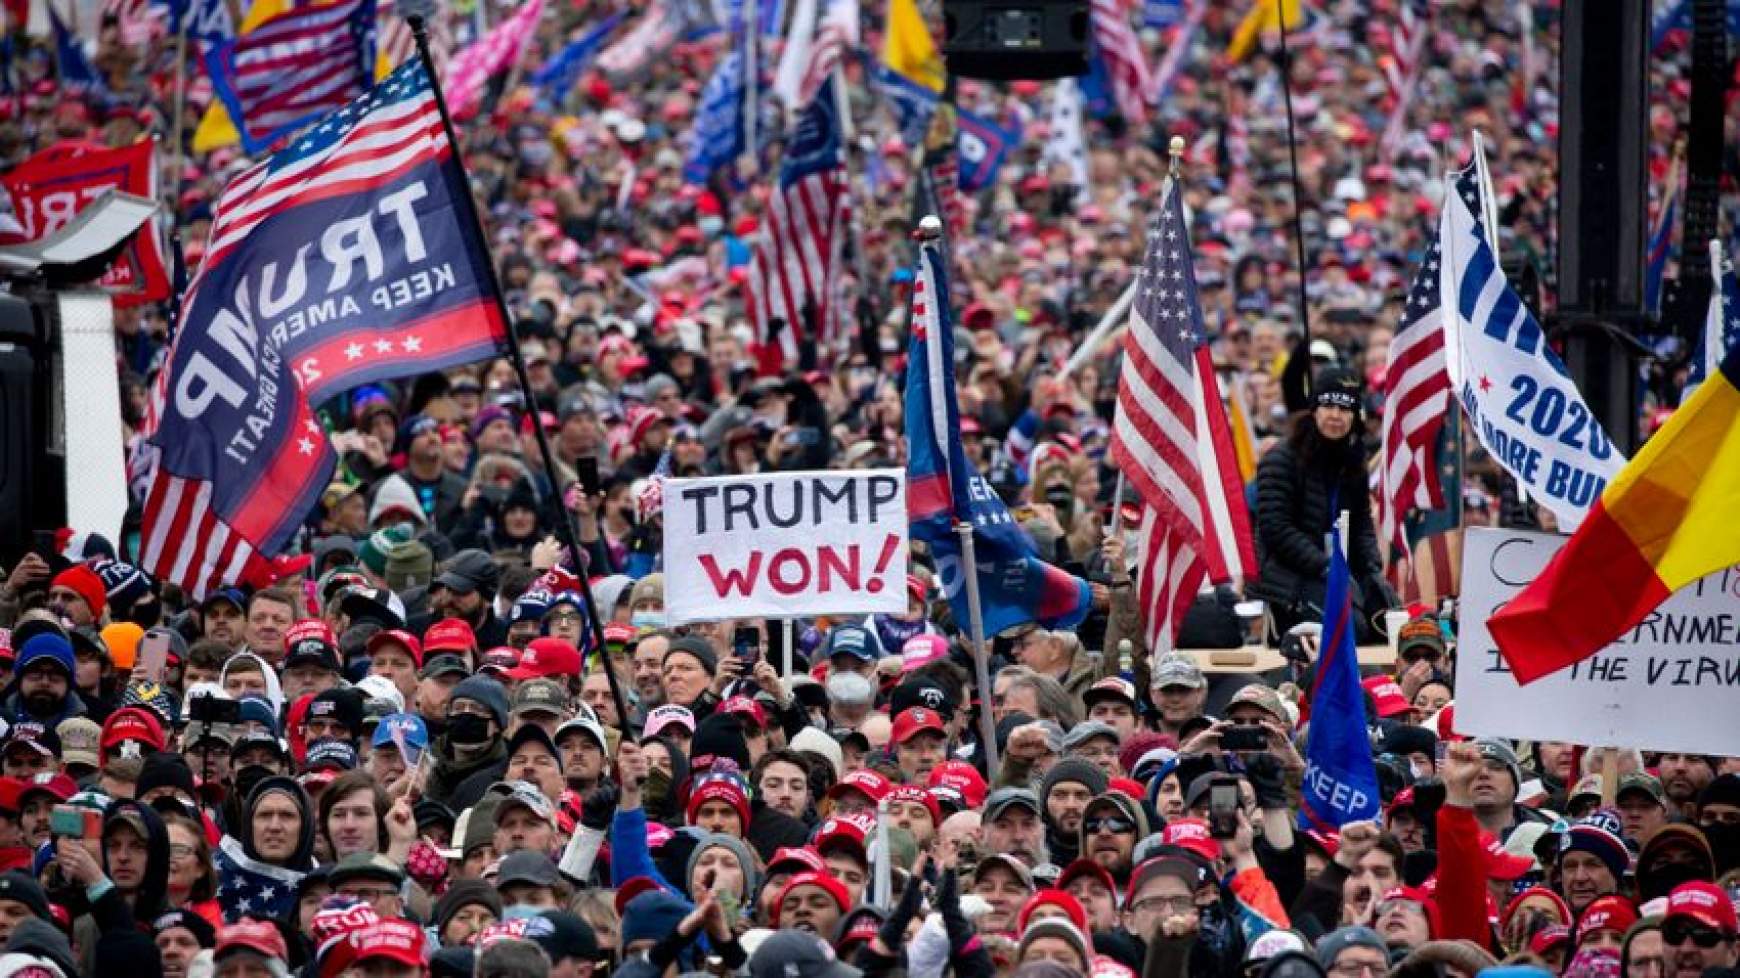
650, 501
1416, 391
660, 28
294, 68
1403, 50
398, 44
496, 52
836, 35
274, 323
1721, 334
1125, 61
793, 273
1661, 239
1195, 525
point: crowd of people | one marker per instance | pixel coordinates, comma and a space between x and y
451, 746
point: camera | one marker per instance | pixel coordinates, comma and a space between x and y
211, 709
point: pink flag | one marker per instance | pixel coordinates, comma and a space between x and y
471, 69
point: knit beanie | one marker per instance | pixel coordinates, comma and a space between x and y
725, 788
719, 736
1059, 927
484, 690
652, 916
462, 894
745, 860
1493, 749
1600, 834
697, 647
80, 578
1336, 941
1073, 769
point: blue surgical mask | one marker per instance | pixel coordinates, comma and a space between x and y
647, 619
521, 911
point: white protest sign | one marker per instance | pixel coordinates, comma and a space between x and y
1668, 684
785, 544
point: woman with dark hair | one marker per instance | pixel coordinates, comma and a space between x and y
1303, 484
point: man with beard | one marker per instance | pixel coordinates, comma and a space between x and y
42, 690
1068, 787
465, 589
1012, 826
220, 617
438, 489
1682, 777
583, 745
811, 902
1111, 824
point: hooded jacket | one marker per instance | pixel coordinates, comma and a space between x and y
274, 692
303, 858
148, 900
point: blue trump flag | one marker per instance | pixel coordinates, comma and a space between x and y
1340, 783
983, 145
563, 70
943, 488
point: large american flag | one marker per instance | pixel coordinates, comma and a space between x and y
796, 262
294, 68
1416, 399
208, 520
1125, 60
835, 36
1171, 439
1402, 51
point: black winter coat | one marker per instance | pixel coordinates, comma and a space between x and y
1293, 515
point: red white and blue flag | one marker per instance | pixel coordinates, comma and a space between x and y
294, 68
944, 489
350, 257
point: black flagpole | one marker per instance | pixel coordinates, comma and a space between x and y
1298, 189
564, 523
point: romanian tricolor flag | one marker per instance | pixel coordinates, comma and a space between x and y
1665, 521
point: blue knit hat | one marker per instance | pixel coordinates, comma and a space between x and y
49, 645
1601, 834
652, 916
484, 690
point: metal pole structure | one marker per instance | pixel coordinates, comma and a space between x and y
1298, 189
565, 522
788, 633
176, 135
981, 664
1113, 317
751, 82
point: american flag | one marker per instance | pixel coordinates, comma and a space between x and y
796, 263
399, 45
499, 50
835, 36
651, 500
1416, 392
1125, 61
1171, 439
1403, 49
294, 68
660, 27
211, 520
250, 888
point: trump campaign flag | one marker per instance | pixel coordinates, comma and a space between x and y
1015, 586
1340, 784
1520, 400
350, 257
53, 186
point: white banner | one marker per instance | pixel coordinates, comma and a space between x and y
1519, 398
1668, 684
785, 544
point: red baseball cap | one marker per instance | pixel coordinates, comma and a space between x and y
853, 829
449, 635
744, 706
393, 939
1387, 696
1192, 835
828, 884
251, 935
1611, 912
912, 792
132, 723
915, 720
1704, 902
1503, 865
58, 786
1058, 898
874, 786
309, 628
547, 657
632, 887
962, 777
400, 637
803, 858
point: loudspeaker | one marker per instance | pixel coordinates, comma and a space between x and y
1033, 39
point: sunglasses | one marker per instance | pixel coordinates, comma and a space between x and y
1675, 934
1111, 823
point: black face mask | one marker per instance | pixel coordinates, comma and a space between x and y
1661, 879
467, 729
1724, 841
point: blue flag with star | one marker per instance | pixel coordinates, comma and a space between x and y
944, 490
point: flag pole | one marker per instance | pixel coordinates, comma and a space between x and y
930, 229
565, 521
1298, 188
177, 153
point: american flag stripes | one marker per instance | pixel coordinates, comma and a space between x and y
1416, 400
835, 36
294, 68
498, 51
1124, 58
1194, 523
793, 274
1404, 53
650, 501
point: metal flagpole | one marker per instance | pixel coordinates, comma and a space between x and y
565, 521
177, 154
1113, 317
1298, 189
751, 82
930, 229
